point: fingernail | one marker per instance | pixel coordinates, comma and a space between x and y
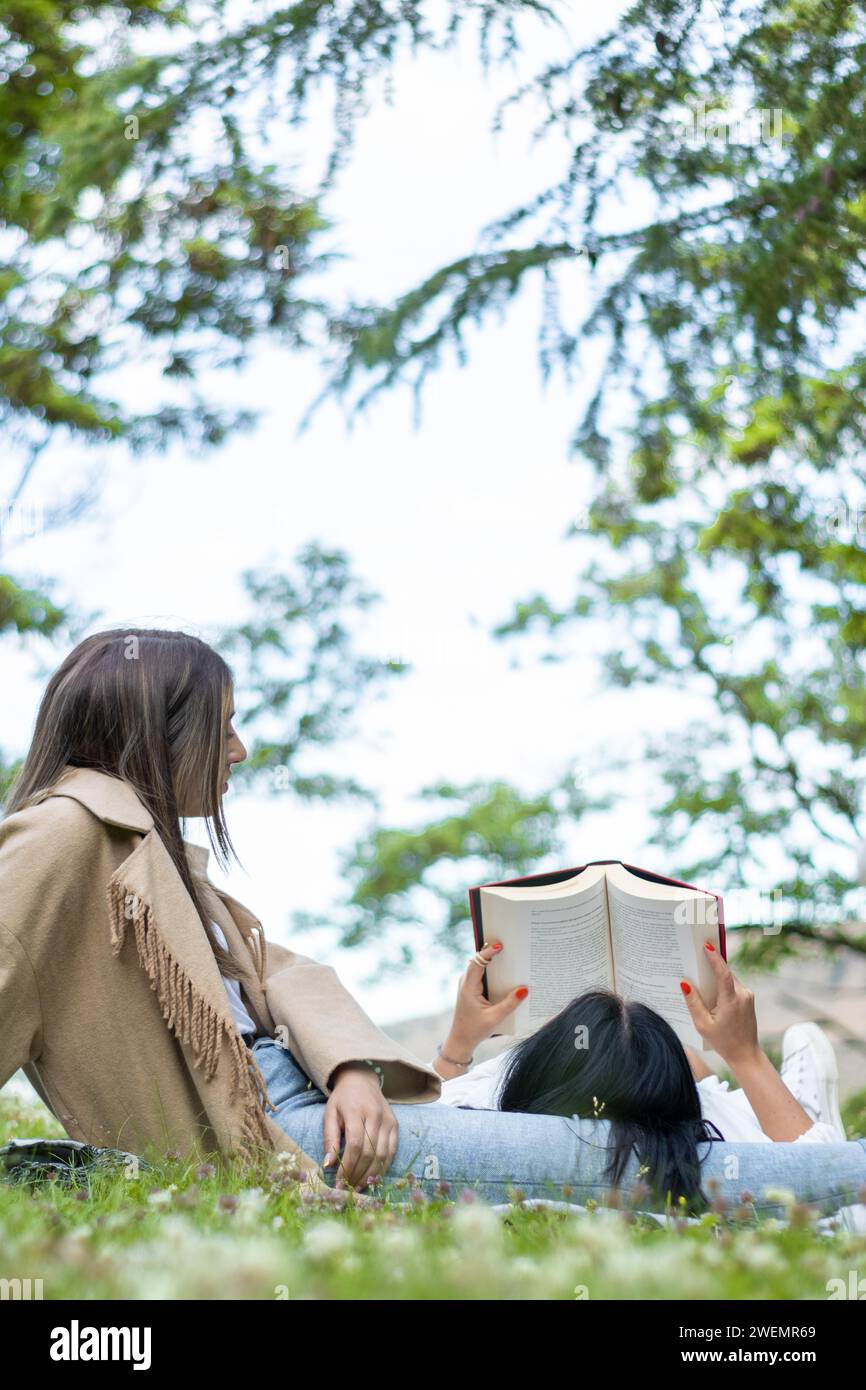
522, 992
497, 945
685, 987
709, 945
329, 1158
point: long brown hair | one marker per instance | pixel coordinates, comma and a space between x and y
152, 707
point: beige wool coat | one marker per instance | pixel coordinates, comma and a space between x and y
112, 1002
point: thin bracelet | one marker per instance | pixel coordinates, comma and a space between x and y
453, 1060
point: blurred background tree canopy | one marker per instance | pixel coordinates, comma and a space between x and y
713, 204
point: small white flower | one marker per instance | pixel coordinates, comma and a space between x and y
326, 1239
164, 1197
596, 1237
396, 1242
710, 1254
762, 1258
475, 1222
178, 1232
783, 1195
79, 1233
251, 1203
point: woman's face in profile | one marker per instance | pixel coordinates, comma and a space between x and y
235, 752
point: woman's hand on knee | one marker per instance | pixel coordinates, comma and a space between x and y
357, 1112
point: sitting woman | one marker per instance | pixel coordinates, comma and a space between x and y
657, 1094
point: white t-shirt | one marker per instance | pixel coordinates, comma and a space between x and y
729, 1110
233, 990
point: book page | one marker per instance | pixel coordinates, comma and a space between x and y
557, 944
653, 949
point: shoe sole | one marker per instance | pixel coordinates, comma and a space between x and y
829, 1069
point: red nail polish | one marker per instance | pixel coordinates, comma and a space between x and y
685, 987
522, 992
709, 945
497, 946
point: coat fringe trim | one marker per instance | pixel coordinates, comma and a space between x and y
189, 1016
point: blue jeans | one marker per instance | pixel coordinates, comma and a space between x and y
496, 1151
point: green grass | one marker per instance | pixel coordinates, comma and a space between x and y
854, 1115
195, 1233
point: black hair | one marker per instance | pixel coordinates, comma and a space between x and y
609, 1058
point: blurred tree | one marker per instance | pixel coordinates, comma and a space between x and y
142, 222
712, 214
404, 878
713, 205
298, 677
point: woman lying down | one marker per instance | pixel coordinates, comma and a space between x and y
637, 1074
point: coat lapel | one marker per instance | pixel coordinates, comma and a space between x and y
147, 900
147, 894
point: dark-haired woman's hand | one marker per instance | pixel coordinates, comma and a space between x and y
730, 1027
475, 1018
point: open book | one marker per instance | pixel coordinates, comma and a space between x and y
606, 925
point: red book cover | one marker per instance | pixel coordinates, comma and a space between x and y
558, 875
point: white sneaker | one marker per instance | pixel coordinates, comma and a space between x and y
851, 1219
810, 1072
